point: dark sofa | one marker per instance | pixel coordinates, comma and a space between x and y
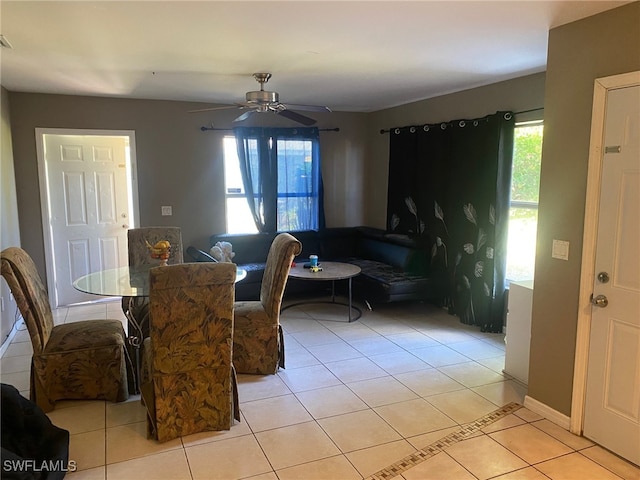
394, 267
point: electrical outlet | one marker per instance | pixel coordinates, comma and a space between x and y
167, 211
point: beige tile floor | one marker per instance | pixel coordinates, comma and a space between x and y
388, 396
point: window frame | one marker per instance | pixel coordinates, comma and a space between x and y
242, 194
535, 120
312, 196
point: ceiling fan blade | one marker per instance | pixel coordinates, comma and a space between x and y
308, 108
245, 115
211, 109
296, 117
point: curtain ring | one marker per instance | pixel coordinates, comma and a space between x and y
461, 124
443, 125
412, 129
425, 128
507, 116
396, 131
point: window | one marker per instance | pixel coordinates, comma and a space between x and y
523, 214
296, 204
239, 218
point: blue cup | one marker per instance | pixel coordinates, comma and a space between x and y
313, 260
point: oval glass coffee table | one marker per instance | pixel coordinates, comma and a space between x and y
331, 271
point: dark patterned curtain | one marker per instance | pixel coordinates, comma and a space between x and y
451, 183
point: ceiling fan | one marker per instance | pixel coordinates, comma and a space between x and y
265, 101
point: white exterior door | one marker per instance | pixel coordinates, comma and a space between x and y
89, 208
612, 403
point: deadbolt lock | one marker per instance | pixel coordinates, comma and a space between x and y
603, 277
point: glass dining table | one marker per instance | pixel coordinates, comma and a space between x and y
123, 281
131, 283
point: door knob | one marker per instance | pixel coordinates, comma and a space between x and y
600, 301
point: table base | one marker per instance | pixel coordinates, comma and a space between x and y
330, 302
342, 276
135, 327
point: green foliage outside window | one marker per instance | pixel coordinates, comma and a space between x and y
525, 182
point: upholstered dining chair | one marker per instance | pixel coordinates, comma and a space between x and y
188, 380
80, 360
137, 238
258, 342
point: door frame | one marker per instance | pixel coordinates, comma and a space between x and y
44, 190
589, 240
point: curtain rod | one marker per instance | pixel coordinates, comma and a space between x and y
528, 111
514, 113
204, 129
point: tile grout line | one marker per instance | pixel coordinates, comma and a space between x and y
438, 446
106, 441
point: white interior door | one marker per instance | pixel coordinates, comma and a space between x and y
612, 403
90, 208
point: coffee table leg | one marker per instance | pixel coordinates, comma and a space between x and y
349, 299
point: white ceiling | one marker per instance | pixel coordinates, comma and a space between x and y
351, 56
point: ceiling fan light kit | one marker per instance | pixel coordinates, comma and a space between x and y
265, 101
262, 96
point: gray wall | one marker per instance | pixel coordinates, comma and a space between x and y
9, 229
598, 46
177, 163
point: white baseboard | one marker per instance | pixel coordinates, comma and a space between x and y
547, 412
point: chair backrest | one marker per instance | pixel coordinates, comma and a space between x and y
137, 239
191, 308
30, 294
281, 254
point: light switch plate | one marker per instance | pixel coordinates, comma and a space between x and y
560, 250
167, 211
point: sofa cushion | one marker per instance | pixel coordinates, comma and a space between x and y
337, 243
393, 280
255, 271
248, 248
395, 255
254, 248
310, 244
